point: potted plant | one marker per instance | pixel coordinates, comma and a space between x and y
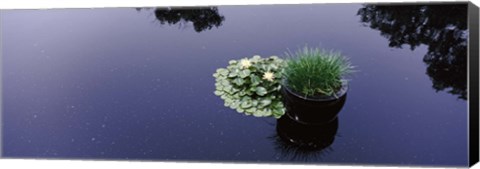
314, 87
252, 86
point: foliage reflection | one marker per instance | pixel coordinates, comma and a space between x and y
202, 18
442, 27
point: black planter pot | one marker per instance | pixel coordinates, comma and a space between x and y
306, 137
313, 110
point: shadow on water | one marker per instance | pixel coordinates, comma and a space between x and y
442, 27
202, 18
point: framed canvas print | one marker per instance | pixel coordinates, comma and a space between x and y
388, 84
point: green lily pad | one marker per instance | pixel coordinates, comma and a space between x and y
261, 91
244, 73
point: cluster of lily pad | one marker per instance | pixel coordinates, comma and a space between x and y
252, 85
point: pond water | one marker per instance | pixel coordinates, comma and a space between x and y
136, 83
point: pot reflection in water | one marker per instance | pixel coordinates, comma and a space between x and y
304, 142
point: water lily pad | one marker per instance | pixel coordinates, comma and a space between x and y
261, 91
244, 73
265, 102
242, 88
245, 104
239, 81
255, 80
218, 93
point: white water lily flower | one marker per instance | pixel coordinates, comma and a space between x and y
245, 63
268, 76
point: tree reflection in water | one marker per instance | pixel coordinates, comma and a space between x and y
202, 18
442, 27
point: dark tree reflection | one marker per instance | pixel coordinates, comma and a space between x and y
202, 18
442, 27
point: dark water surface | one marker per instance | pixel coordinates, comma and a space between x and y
126, 83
